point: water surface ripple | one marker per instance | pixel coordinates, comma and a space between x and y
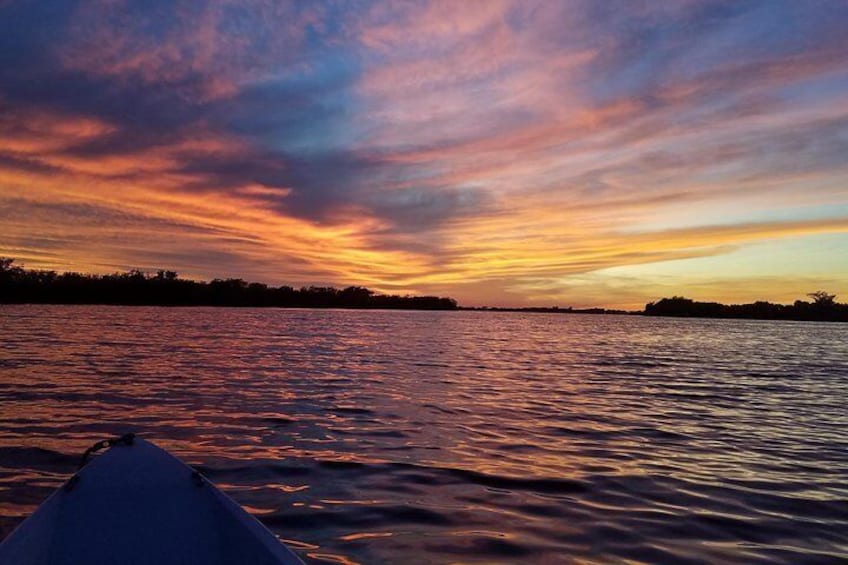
438, 437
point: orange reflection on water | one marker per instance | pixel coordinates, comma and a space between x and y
332, 558
365, 535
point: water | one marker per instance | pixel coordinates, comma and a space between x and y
437, 437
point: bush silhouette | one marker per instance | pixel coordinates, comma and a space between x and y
823, 308
165, 288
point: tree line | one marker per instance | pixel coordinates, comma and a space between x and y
822, 307
165, 288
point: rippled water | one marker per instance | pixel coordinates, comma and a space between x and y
437, 437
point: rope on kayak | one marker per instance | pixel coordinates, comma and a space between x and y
197, 478
126, 439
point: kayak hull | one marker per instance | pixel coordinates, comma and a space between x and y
139, 504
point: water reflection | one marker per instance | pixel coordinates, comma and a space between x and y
454, 436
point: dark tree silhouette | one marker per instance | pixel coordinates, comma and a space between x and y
823, 308
165, 288
822, 298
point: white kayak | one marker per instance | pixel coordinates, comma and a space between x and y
136, 503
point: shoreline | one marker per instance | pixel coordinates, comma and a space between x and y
483, 309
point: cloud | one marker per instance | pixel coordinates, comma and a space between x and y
418, 145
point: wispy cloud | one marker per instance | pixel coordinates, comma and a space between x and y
499, 151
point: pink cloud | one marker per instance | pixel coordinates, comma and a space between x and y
200, 47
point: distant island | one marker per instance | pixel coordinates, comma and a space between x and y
822, 308
165, 288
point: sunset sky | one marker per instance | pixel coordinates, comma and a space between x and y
502, 153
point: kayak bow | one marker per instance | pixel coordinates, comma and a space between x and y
137, 504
